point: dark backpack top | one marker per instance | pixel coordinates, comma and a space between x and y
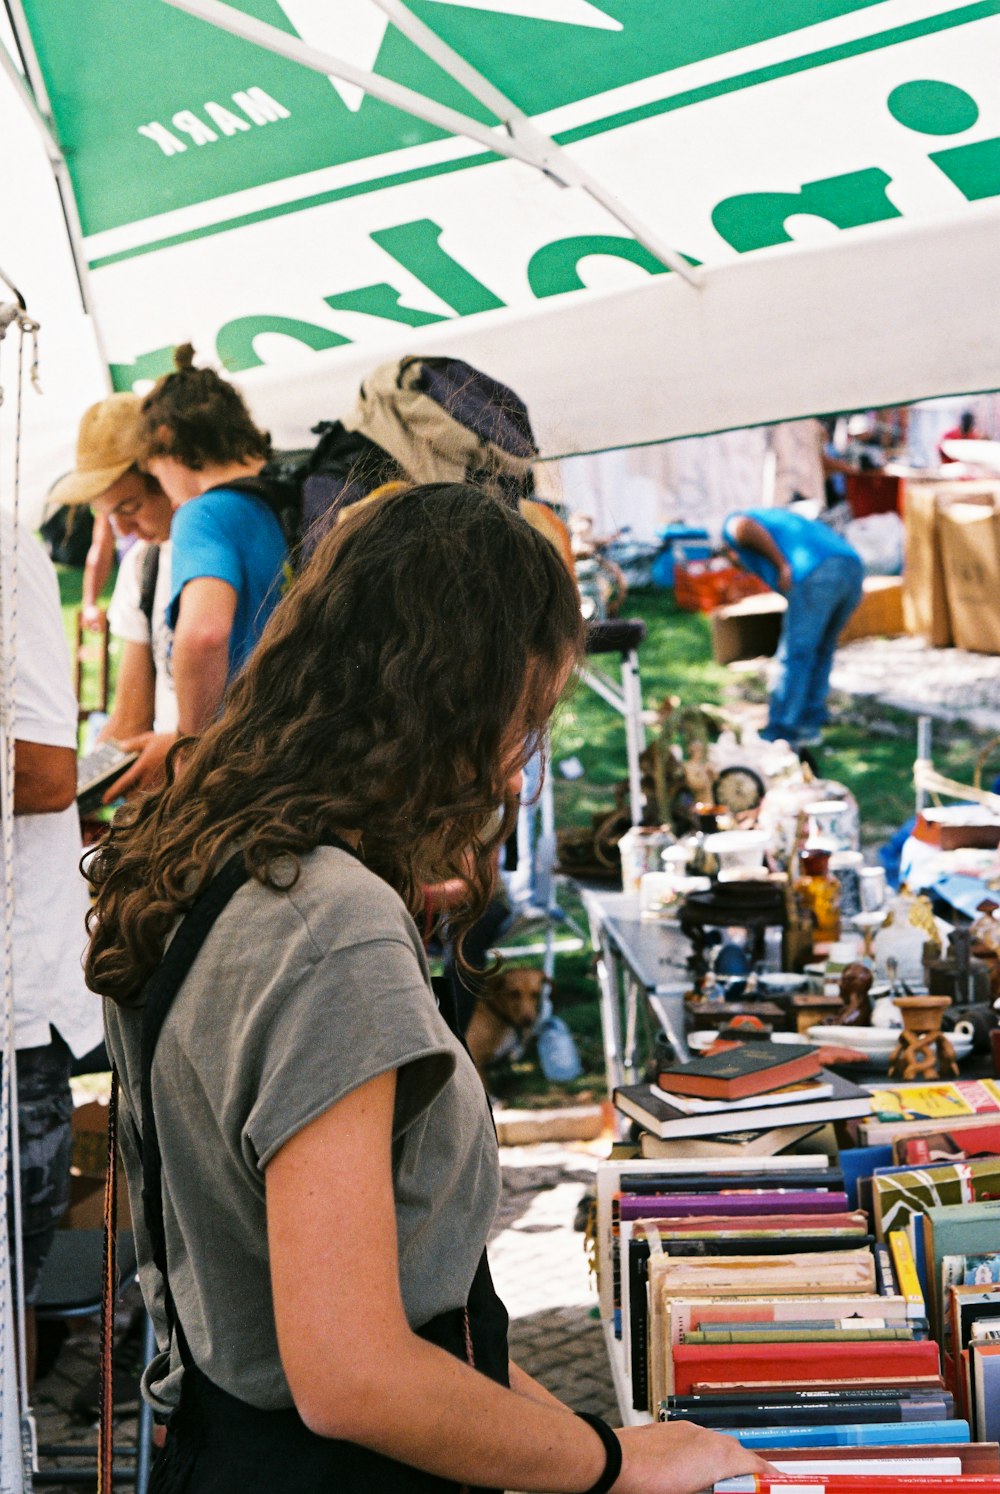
307, 489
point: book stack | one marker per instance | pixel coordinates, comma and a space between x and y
746, 1099
838, 1313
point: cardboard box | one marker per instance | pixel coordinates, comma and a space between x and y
925, 598
87, 1171
970, 546
879, 614
749, 629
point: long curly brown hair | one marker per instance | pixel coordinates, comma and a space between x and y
409, 672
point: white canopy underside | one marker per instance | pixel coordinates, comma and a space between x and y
876, 317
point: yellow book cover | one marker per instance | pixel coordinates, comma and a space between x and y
906, 1269
937, 1101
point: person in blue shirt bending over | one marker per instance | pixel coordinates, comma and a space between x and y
229, 555
821, 576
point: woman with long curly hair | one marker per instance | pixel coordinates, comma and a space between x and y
309, 1151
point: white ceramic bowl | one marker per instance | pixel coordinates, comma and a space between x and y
736, 848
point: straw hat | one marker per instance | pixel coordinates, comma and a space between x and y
106, 447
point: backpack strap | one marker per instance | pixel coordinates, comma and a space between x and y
147, 583
160, 992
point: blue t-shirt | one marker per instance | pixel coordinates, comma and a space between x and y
805, 543
232, 537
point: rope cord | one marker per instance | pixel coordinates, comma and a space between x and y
11, 1308
109, 1290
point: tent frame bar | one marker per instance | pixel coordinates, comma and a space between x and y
522, 141
32, 92
560, 165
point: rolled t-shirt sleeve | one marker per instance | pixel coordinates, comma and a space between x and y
361, 1011
200, 547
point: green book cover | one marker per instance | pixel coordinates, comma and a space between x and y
963, 1229
898, 1196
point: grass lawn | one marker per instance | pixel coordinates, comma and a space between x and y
869, 748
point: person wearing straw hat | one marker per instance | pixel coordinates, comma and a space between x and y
107, 477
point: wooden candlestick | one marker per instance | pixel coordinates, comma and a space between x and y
923, 1051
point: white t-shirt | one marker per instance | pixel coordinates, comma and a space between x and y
127, 621
50, 895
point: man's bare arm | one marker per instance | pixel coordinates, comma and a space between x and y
44, 778
201, 651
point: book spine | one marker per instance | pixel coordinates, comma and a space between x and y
789, 1397
638, 1323
799, 1335
858, 1434
906, 1273
885, 1276
851, 1412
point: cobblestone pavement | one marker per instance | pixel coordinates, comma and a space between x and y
540, 1270
947, 683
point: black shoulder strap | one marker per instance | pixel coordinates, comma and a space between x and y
160, 992
147, 586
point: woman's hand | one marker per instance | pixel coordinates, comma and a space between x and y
678, 1457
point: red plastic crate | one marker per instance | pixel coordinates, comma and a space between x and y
701, 586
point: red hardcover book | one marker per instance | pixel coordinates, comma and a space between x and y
707, 1364
737, 1073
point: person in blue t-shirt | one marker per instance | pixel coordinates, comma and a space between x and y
229, 556
821, 576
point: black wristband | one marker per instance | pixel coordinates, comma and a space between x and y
612, 1453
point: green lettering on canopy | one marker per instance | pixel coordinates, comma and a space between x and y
756, 220
235, 342
974, 169
556, 267
382, 300
146, 368
416, 246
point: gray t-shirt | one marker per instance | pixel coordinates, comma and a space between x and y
296, 998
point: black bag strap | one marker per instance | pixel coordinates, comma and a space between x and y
147, 583
160, 992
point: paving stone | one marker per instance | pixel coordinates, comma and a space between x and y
947, 683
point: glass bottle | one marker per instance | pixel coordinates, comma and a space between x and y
820, 892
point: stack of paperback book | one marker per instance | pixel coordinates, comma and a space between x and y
839, 1314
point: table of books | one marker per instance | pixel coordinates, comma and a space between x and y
835, 1307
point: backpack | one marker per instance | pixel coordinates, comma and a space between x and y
416, 420
147, 583
66, 534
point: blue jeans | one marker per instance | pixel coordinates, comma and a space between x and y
818, 608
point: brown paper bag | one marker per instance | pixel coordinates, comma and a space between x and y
970, 546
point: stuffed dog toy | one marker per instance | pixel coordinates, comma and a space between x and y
504, 1014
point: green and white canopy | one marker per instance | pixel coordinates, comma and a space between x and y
652, 219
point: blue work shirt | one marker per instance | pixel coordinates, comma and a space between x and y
805, 543
233, 537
